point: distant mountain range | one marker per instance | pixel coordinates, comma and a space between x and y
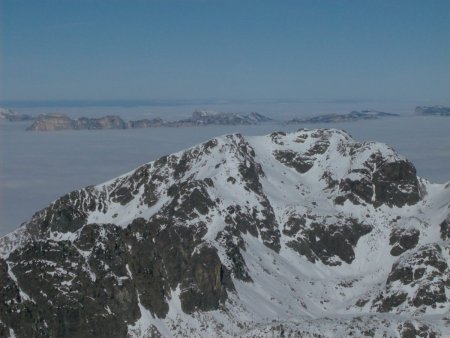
307, 234
352, 116
57, 121
433, 110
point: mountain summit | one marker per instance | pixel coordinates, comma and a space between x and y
308, 234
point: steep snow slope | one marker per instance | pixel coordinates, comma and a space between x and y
307, 233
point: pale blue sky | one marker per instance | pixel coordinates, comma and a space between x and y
213, 49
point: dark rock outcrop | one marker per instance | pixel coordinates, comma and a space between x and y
294, 160
425, 271
330, 243
392, 183
445, 228
402, 240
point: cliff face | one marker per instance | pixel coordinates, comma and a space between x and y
52, 122
106, 122
309, 233
146, 123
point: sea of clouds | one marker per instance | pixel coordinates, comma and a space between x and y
38, 167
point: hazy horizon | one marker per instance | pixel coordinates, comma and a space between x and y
280, 110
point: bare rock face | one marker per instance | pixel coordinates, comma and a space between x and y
392, 184
425, 272
146, 123
259, 236
409, 330
396, 184
106, 122
52, 122
293, 160
403, 239
445, 228
56, 121
326, 242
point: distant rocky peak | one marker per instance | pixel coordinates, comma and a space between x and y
213, 117
196, 114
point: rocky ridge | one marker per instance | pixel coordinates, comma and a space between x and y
352, 116
310, 233
58, 121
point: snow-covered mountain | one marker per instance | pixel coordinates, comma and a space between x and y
307, 234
